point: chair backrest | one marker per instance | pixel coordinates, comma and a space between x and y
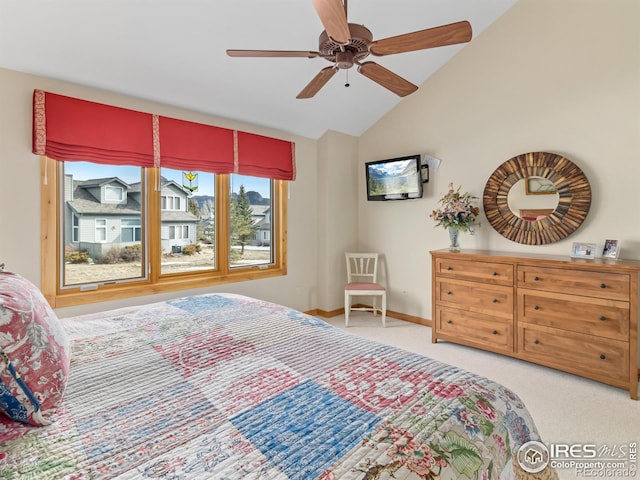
362, 267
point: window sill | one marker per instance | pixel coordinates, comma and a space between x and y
105, 293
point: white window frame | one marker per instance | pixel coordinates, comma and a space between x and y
135, 227
99, 228
75, 229
113, 189
171, 203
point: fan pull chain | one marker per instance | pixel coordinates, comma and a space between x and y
347, 84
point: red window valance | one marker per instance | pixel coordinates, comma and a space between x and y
66, 128
195, 146
272, 157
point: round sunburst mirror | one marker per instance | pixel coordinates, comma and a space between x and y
569, 183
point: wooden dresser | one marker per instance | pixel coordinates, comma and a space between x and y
575, 315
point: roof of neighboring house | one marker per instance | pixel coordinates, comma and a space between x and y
84, 203
260, 209
99, 182
178, 216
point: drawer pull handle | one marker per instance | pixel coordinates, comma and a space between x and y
603, 318
602, 285
603, 356
536, 307
495, 300
449, 268
449, 292
494, 273
495, 332
536, 341
535, 279
449, 321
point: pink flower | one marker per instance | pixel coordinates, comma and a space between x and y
445, 391
486, 409
500, 442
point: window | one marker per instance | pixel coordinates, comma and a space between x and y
76, 229
101, 230
250, 201
171, 203
130, 230
103, 241
113, 194
162, 236
177, 232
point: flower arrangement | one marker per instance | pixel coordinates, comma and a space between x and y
457, 212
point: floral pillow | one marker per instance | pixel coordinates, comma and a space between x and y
34, 352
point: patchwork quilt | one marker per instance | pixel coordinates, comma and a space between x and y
224, 386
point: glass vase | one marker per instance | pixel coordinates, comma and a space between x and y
454, 246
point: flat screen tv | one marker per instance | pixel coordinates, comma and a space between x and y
394, 179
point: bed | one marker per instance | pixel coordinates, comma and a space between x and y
224, 386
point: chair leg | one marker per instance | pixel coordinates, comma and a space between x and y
375, 306
384, 310
347, 308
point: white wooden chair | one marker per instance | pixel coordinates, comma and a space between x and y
362, 271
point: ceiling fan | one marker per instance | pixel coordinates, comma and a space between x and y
347, 44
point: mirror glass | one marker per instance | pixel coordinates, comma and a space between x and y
533, 198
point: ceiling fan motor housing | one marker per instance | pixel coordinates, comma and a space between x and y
344, 56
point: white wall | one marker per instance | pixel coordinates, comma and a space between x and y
337, 214
557, 76
20, 195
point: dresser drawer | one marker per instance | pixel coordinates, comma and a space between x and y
485, 272
594, 357
594, 316
474, 328
488, 299
579, 282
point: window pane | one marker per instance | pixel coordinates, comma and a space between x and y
101, 223
113, 193
188, 221
250, 221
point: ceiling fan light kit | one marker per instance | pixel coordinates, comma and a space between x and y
347, 44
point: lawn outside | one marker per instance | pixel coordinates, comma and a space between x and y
79, 273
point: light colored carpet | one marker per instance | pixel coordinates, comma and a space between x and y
567, 409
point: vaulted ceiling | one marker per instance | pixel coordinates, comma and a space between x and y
174, 52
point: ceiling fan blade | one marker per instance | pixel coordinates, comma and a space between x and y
459, 32
271, 53
387, 78
334, 19
318, 82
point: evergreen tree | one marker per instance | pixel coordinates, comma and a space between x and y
243, 227
193, 207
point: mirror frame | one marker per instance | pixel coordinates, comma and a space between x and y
573, 205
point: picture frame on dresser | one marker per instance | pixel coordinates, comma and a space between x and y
611, 249
583, 250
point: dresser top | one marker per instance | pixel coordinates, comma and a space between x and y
536, 258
